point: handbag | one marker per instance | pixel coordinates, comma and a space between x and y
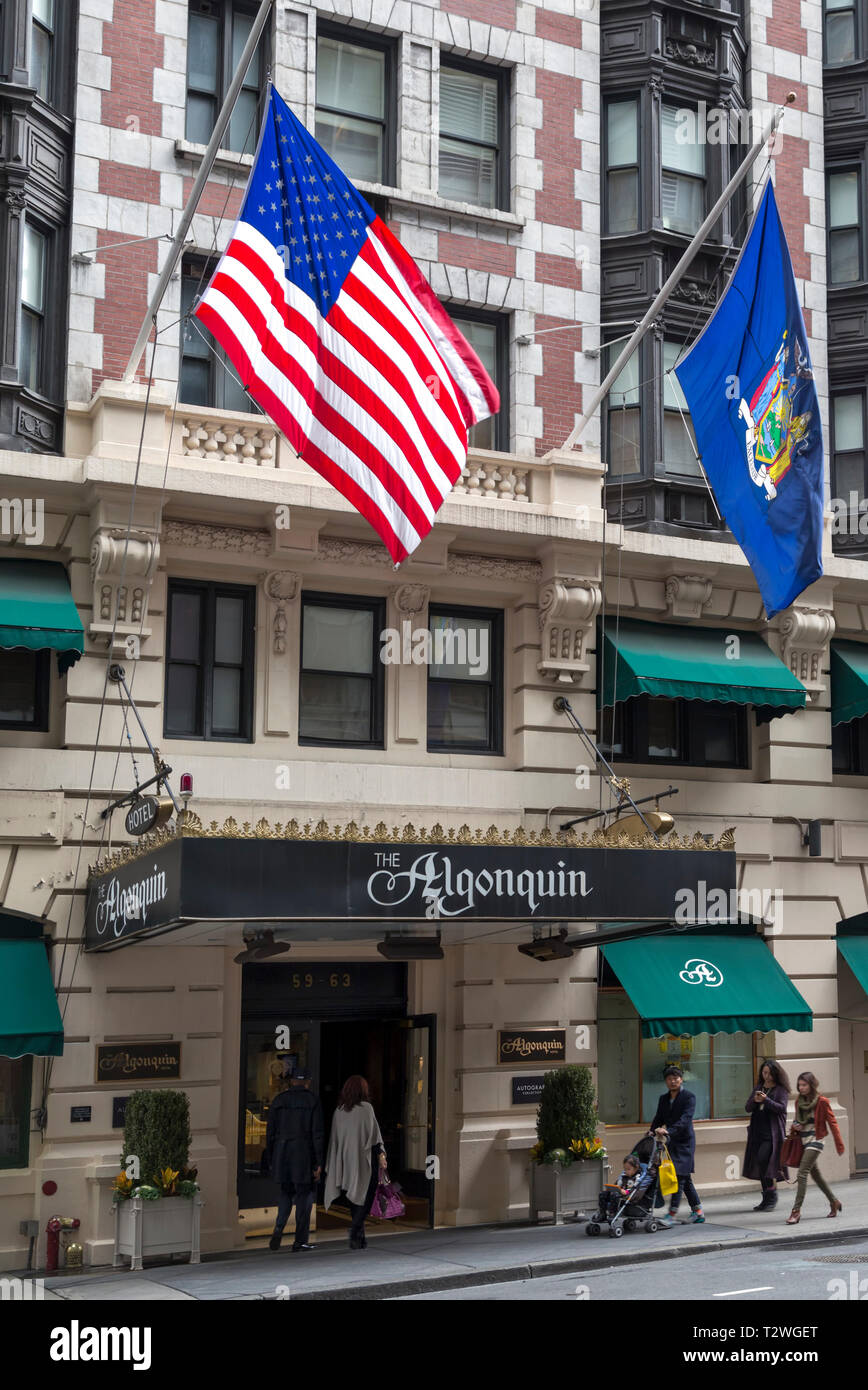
791, 1151
387, 1204
667, 1176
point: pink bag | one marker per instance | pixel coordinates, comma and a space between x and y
387, 1204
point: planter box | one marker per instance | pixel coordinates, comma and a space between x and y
167, 1226
558, 1189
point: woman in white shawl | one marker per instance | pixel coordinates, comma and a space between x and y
354, 1144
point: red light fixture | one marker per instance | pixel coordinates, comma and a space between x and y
186, 784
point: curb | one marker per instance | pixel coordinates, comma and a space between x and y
545, 1269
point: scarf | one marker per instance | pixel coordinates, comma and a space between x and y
805, 1110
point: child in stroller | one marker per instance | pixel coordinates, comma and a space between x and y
629, 1203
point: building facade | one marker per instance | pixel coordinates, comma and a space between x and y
531, 158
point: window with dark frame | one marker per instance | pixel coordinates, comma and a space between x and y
840, 31
848, 449
15, 1087
341, 676
850, 748
356, 110
845, 226
209, 661
42, 37
679, 440
217, 33
34, 263
683, 195
624, 417
488, 335
474, 125
622, 166
465, 680
687, 733
25, 680
208, 378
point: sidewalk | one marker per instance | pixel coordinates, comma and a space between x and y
461, 1257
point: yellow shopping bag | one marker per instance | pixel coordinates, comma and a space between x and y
667, 1176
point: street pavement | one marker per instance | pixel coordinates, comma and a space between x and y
466, 1258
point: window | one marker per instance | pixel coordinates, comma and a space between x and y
341, 684
622, 167
683, 180
848, 445
700, 733
850, 747
24, 685
34, 251
718, 1069
15, 1074
42, 47
473, 125
839, 28
465, 680
217, 33
207, 377
487, 334
679, 441
845, 227
623, 418
355, 121
209, 664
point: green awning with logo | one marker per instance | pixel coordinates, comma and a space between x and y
707, 984
30, 1022
37, 610
696, 663
849, 678
853, 945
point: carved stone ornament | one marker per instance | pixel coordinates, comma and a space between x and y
412, 598
567, 609
686, 596
122, 571
697, 55
806, 634
194, 535
282, 587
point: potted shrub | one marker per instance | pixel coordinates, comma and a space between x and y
156, 1200
567, 1161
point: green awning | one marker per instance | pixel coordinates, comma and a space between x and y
849, 678
707, 984
853, 945
30, 1020
696, 663
37, 610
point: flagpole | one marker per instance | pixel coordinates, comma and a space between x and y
202, 178
683, 265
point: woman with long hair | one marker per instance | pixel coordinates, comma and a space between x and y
814, 1120
355, 1154
767, 1107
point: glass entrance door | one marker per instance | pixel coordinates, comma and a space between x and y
263, 1071
408, 1131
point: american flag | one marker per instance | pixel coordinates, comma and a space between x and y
336, 333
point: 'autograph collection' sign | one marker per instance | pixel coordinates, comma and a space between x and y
231, 879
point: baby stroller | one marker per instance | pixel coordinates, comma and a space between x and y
636, 1210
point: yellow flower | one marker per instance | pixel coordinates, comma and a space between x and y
122, 1183
166, 1179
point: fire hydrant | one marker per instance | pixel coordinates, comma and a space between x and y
56, 1224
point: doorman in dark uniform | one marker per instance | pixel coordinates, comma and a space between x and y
294, 1150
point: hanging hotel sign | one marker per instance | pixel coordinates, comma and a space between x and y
246, 878
532, 1045
138, 1061
147, 813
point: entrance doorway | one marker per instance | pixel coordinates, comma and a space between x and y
395, 1055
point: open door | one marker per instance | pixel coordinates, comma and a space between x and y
262, 1073
408, 1121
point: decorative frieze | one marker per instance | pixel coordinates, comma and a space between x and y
191, 535
686, 596
568, 607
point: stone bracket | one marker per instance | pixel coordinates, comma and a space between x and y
568, 607
805, 636
686, 596
122, 573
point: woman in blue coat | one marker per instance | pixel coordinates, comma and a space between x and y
673, 1122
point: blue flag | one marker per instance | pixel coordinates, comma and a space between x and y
750, 390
